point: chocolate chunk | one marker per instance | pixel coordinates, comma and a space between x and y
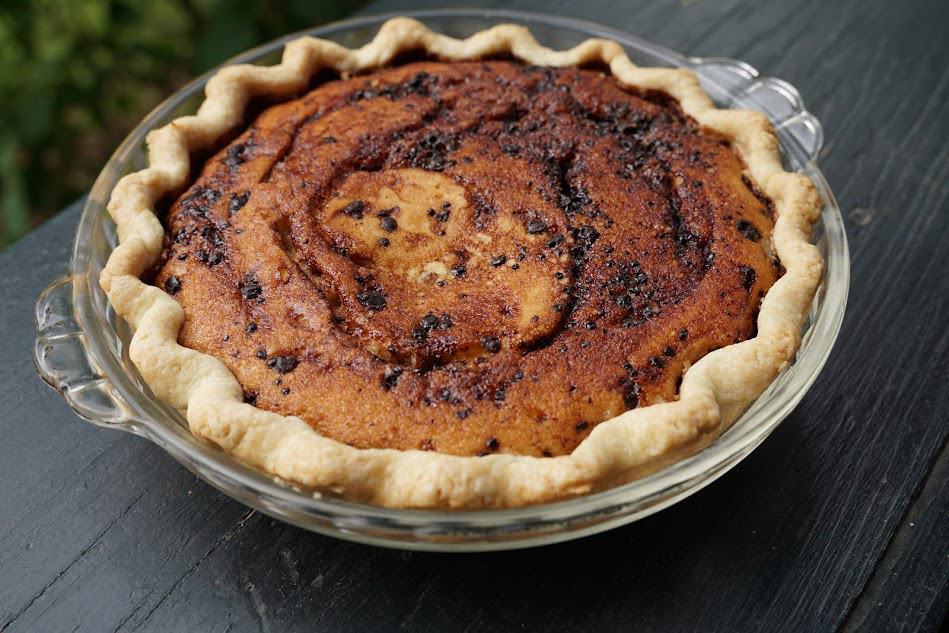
238, 200
172, 285
749, 230
748, 277
251, 328
556, 240
388, 224
236, 155
498, 261
491, 343
372, 300
384, 242
493, 444
283, 364
390, 377
458, 270
536, 226
429, 322
250, 287
355, 209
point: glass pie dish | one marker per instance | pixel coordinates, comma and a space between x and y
82, 346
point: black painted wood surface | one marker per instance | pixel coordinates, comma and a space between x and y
839, 520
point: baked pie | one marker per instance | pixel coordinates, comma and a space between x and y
461, 273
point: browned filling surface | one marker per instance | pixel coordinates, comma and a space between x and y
467, 257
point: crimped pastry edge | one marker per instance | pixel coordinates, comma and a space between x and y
713, 393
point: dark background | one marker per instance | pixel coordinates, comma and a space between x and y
838, 521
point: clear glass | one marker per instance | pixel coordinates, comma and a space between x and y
82, 347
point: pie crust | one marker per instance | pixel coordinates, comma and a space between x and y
713, 392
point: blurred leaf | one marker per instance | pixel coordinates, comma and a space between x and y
13, 200
76, 75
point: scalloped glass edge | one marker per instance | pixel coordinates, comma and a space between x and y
81, 347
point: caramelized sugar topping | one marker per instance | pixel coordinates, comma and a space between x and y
468, 257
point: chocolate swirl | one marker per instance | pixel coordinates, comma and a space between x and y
467, 257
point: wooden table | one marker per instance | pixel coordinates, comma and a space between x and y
839, 520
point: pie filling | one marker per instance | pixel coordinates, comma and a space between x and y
468, 257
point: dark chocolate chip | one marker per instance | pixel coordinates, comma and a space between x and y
491, 344
372, 300
429, 322
492, 444
172, 285
556, 240
388, 224
238, 200
390, 377
748, 277
283, 364
355, 209
236, 155
536, 226
749, 230
384, 242
458, 271
251, 328
498, 261
250, 287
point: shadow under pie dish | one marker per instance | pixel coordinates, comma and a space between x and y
412, 283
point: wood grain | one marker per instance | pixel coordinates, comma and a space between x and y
837, 521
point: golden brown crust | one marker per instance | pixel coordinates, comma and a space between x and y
712, 394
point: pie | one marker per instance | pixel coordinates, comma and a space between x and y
478, 273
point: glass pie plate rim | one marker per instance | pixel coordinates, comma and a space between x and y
81, 346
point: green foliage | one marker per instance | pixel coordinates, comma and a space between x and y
76, 75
